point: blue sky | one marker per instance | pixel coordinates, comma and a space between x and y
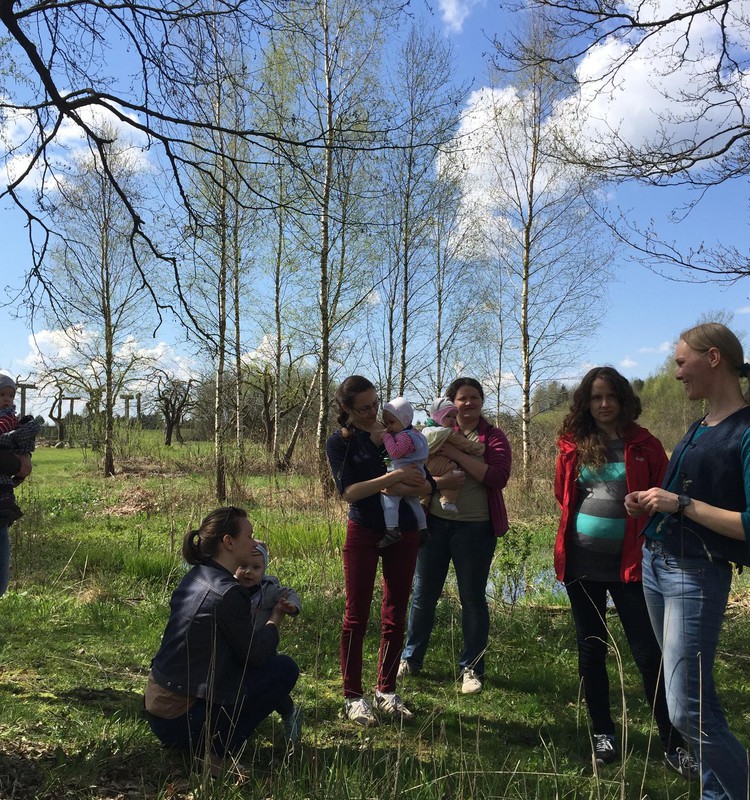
644, 312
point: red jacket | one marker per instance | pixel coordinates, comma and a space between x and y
645, 466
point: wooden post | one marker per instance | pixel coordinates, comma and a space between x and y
127, 398
72, 400
23, 387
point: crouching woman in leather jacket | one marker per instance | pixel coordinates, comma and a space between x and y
214, 680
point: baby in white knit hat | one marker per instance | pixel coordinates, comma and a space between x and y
404, 445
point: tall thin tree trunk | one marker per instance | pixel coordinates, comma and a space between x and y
324, 288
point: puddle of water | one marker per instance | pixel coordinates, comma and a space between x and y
514, 588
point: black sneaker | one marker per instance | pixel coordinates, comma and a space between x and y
682, 763
392, 535
605, 751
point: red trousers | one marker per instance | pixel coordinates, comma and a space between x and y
360, 567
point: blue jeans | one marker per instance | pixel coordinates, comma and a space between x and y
686, 600
4, 560
470, 545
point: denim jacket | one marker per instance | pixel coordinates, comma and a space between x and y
209, 642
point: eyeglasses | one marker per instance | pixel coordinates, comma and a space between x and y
365, 409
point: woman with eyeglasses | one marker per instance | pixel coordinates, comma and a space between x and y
699, 529
214, 678
466, 538
357, 459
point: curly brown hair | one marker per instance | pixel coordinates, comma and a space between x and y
581, 426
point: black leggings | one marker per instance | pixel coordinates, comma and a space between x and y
588, 601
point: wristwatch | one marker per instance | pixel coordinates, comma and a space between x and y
683, 501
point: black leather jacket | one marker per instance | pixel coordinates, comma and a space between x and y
209, 643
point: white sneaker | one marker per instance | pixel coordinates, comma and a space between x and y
682, 763
358, 710
406, 668
471, 683
391, 704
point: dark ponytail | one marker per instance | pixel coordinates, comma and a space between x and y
200, 545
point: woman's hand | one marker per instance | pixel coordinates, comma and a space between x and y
633, 505
407, 480
453, 479
408, 475
656, 500
720, 520
475, 467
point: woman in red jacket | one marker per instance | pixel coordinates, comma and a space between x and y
603, 456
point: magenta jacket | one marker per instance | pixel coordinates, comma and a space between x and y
497, 457
645, 465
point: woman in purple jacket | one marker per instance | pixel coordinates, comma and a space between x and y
467, 539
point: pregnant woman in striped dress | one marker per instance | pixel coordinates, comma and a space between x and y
603, 455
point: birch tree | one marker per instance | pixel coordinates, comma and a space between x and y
542, 230
425, 103
336, 52
96, 294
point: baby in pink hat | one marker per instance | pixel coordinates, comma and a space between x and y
441, 428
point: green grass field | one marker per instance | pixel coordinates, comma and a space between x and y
94, 564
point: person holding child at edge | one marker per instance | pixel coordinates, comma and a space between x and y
17, 466
404, 445
214, 678
603, 455
698, 527
467, 538
16, 444
356, 456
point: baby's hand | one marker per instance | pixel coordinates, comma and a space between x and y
285, 605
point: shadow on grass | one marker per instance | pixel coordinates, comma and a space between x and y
108, 701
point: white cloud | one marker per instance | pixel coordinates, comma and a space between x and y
664, 92
19, 131
455, 12
56, 347
664, 347
743, 310
264, 353
627, 363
